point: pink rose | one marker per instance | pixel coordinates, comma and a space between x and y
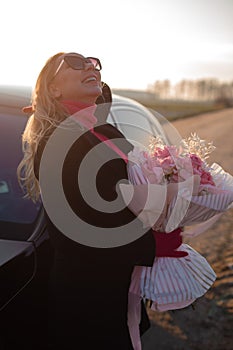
184, 163
173, 151
206, 178
151, 163
158, 174
154, 175
167, 165
160, 153
196, 161
167, 151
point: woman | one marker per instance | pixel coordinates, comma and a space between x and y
89, 284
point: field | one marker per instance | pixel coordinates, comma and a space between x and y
175, 109
171, 109
210, 325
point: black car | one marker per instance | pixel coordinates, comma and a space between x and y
25, 250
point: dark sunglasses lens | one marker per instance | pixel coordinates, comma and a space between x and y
75, 62
95, 61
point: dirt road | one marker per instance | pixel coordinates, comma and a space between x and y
210, 325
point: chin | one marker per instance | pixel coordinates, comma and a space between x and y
97, 91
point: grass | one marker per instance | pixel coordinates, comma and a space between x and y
180, 109
171, 109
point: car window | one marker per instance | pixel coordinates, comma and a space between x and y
137, 124
17, 214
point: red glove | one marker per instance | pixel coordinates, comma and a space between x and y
167, 243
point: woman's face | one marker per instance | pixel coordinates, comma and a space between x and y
83, 85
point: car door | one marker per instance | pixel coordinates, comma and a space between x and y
17, 214
24, 248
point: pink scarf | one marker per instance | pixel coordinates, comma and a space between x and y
89, 120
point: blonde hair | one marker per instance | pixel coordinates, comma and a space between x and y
47, 114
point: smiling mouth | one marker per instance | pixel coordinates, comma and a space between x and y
90, 79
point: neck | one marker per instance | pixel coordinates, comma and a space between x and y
78, 103
87, 118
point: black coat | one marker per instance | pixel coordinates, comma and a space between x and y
89, 286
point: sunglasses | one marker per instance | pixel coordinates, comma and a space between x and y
77, 62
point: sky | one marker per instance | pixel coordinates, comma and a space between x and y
137, 41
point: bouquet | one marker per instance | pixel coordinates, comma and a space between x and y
181, 190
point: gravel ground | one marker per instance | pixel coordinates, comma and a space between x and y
210, 325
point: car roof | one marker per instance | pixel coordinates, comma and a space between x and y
18, 96
14, 97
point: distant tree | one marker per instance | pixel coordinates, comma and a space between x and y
161, 88
157, 88
202, 89
225, 94
166, 88
180, 89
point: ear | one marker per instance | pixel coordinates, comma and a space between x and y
54, 90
